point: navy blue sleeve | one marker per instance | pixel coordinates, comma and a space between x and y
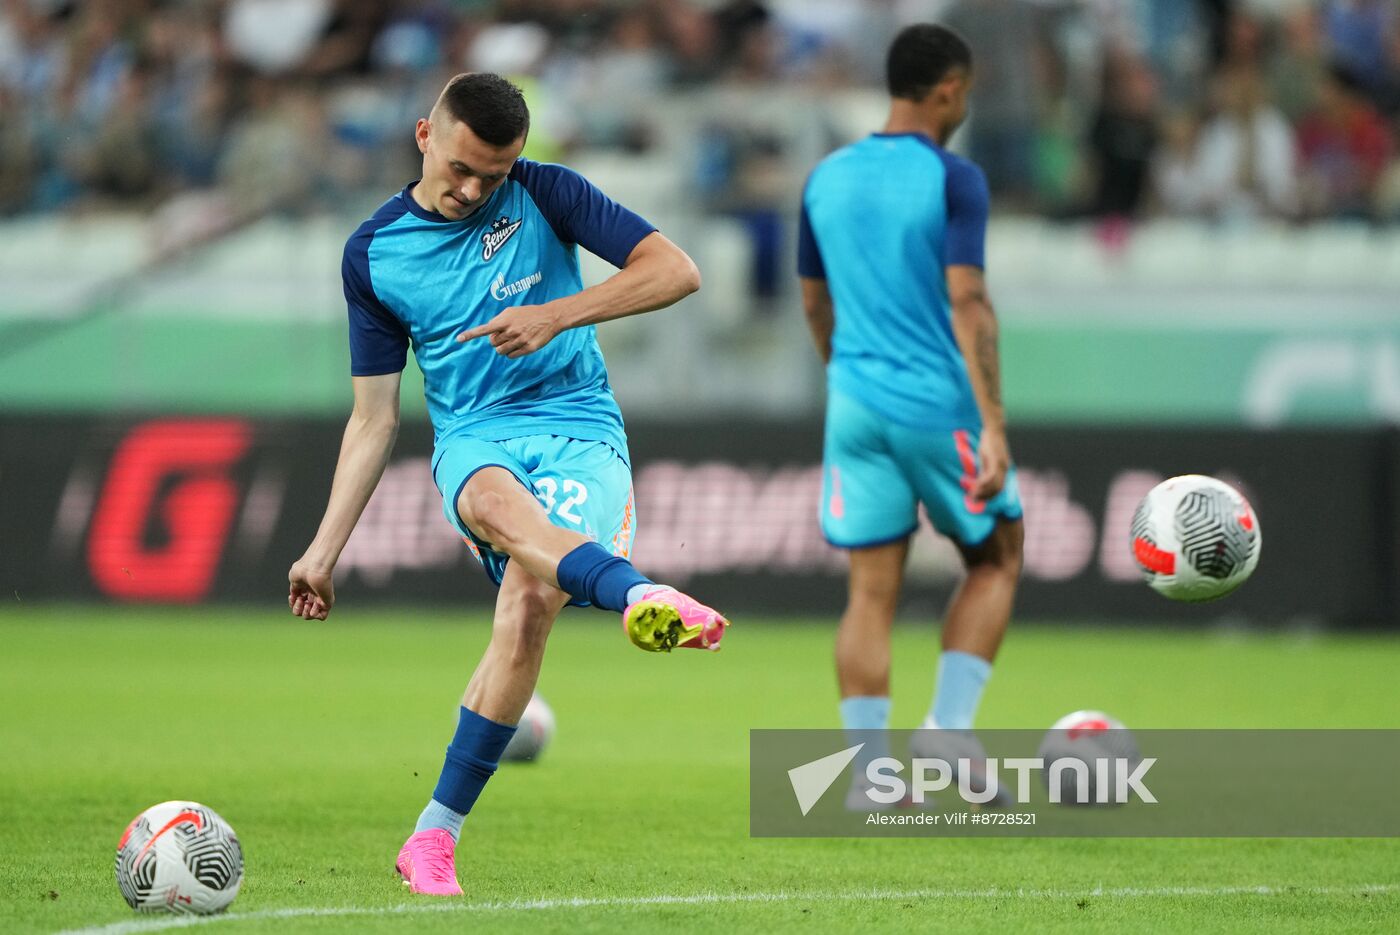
965, 235
809, 258
580, 213
378, 340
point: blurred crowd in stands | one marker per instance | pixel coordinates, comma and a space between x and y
1111, 109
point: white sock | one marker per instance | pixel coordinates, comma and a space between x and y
437, 815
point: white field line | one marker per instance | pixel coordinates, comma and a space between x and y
704, 899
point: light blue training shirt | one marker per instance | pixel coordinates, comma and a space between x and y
415, 278
881, 221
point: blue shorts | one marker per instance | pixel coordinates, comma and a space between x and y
585, 486
875, 474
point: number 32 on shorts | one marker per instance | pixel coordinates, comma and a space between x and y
549, 491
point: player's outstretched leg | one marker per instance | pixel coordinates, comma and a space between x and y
657, 618
662, 618
491, 707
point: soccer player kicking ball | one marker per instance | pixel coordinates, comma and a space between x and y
476, 266
891, 246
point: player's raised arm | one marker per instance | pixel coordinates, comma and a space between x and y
364, 452
656, 273
652, 271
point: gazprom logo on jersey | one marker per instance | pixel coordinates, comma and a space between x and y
502, 290
502, 229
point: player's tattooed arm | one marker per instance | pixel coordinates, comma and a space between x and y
975, 326
988, 363
821, 314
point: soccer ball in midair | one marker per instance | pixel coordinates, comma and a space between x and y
1088, 736
534, 733
1195, 538
179, 857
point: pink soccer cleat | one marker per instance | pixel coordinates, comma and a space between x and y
665, 618
427, 862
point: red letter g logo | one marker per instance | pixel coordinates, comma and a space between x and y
181, 467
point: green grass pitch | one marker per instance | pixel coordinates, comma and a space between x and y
321, 741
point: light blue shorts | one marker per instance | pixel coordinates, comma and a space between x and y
585, 486
875, 474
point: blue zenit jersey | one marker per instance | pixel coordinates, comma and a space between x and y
414, 277
881, 221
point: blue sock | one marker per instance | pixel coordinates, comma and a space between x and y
958, 690
592, 573
865, 718
472, 757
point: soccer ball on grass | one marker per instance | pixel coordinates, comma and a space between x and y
179, 857
1087, 736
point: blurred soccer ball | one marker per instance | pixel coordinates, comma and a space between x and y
1088, 736
534, 733
179, 857
1195, 538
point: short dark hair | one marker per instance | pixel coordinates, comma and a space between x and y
492, 107
921, 56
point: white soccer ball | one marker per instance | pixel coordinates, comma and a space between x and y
534, 733
1195, 538
1087, 736
179, 857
